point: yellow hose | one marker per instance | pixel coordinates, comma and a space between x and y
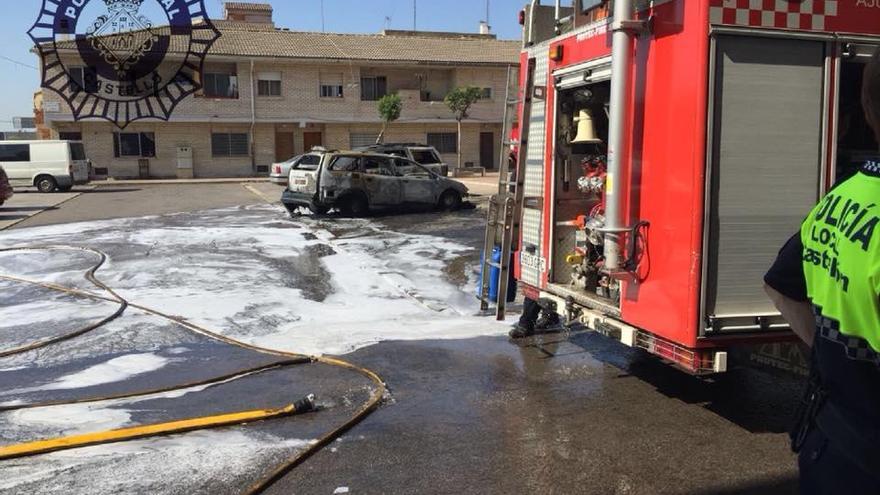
221, 420
136, 432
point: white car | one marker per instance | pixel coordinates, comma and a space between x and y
279, 172
48, 165
424, 155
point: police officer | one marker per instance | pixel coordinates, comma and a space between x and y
826, 283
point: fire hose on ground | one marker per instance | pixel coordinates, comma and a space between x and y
304, 405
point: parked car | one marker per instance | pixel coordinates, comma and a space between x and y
422, 154
279, 172
5, 187
48, 165
356, 183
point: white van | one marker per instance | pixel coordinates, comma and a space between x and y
48, 165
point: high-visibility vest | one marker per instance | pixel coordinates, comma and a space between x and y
841, 261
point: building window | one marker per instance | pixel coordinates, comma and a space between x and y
373, 88
269, 84
15, 152
331, 86
134, 144
220, 85
361, 139
70, 136
229, 144
486, 94
331, 91
445, 142
84, 78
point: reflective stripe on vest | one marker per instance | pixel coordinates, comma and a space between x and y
842, 256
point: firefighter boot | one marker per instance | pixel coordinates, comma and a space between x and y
520, 331
548, 319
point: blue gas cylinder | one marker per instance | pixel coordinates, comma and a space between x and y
493, 278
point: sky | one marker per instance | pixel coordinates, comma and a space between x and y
19, 77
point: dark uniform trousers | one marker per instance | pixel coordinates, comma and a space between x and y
826, 470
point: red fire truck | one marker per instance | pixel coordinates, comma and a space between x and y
669, 148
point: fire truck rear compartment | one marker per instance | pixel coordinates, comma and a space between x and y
765, 168
581, 137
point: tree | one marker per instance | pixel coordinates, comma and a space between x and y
460, 100
390, 107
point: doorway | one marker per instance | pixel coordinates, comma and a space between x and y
487, 150
312, 139
855, 139
284, 147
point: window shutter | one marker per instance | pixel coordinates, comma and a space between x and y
116, 144
90, 75
269, 76
220, 144
365, 83
362, 139
148, 144
238, 145
381, 87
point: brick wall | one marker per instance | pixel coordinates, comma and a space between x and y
98, 140
300, 109
301, 100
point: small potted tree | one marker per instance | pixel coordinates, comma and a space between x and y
390, 107
460, 100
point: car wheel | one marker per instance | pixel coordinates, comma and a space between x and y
318, 210
46, 184
354, 206
292, 209
451, 200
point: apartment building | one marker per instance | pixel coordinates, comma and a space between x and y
270, 93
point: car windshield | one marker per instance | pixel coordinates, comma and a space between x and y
292, 160
412, 169
308, 162
425, 157
344, 164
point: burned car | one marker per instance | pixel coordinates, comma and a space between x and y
356, 183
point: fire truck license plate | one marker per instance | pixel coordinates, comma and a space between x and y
532, 261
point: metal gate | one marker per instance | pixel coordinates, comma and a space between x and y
764, 168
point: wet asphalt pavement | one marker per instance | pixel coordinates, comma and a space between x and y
558, 413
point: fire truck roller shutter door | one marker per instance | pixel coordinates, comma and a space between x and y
765, 163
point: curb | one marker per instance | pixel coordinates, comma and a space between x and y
56, 205
111, 183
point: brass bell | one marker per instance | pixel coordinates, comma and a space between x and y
586, 129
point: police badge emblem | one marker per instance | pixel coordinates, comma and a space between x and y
111, 60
